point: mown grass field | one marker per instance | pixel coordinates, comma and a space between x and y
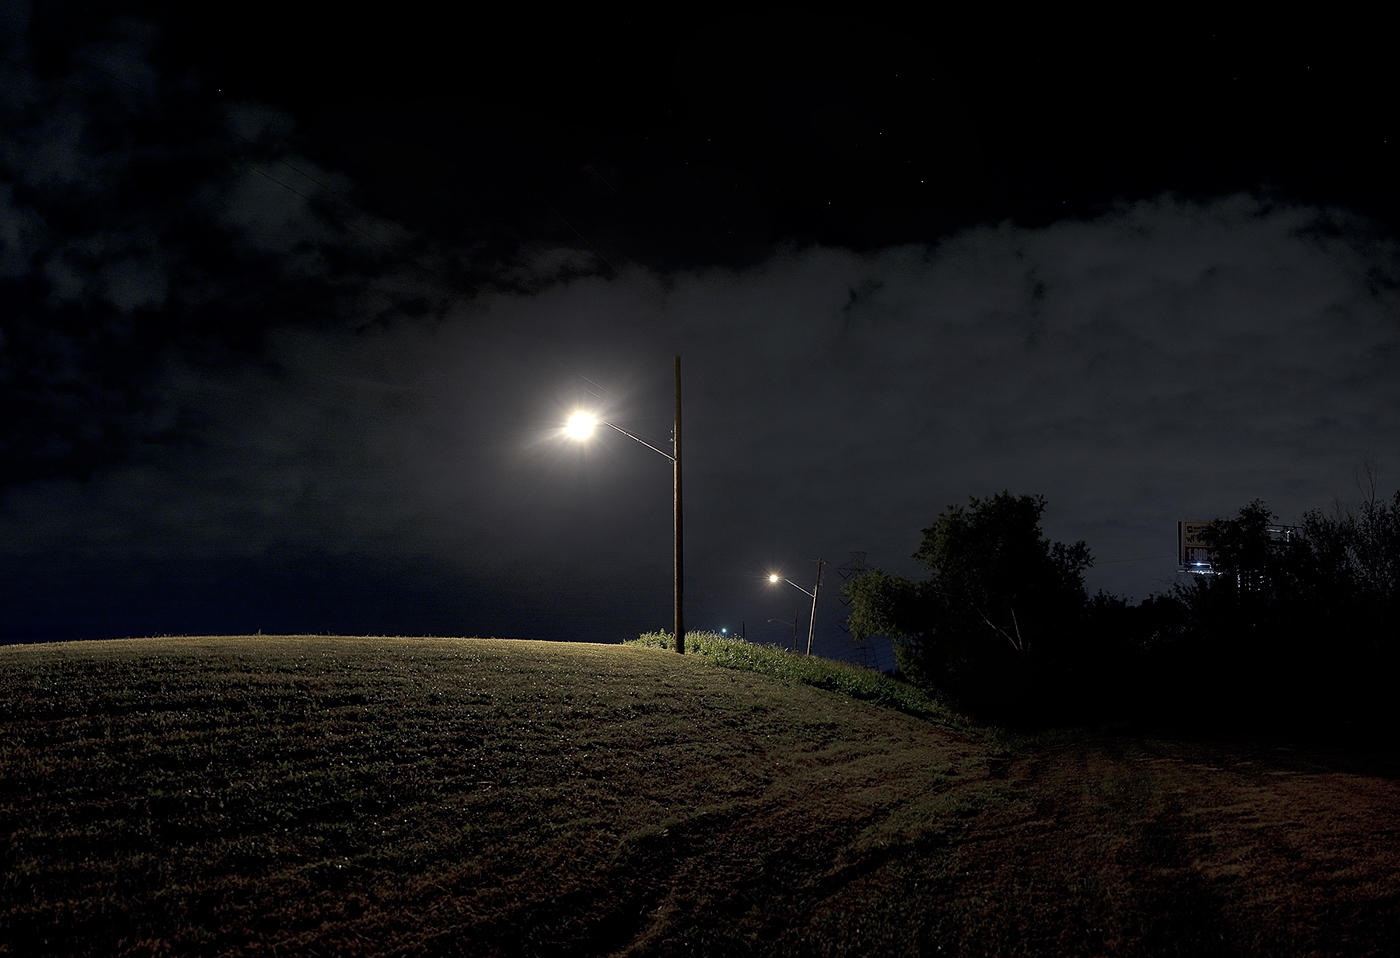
378, 796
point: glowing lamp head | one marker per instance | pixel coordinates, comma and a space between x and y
773, 578
580, 425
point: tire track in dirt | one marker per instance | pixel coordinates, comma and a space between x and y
1308, 844
1160, 848
762, 873
1100, 847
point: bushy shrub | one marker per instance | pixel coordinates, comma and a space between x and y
1295, 629
995, 624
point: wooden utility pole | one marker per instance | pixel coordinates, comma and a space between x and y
816, 591
795, 614
680, 552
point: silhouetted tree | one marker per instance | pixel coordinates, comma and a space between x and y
1357, 554
1352, 587
1241, 549
999, 610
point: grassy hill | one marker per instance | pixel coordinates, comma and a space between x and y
380, 796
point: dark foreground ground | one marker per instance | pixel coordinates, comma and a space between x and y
327, 796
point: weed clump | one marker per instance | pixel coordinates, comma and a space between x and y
777, 662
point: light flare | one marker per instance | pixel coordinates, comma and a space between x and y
581, 425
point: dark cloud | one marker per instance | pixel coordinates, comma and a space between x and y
138, 218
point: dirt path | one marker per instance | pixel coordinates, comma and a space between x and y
1150, 847
1094, 848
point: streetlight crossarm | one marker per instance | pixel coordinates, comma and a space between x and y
793, 584
638, 439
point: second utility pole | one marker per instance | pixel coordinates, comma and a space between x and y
816, 591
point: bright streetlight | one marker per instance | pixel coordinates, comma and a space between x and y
581, 426
816, 590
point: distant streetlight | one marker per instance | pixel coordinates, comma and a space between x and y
794, 627
816, 590
581, 426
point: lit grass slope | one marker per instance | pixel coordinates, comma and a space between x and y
270, 795
840, 677
305, 795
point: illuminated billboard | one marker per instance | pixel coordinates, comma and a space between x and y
1192, 552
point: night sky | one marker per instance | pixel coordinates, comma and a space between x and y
292, 309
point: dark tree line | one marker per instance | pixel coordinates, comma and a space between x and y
1294, 631
1295, 628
